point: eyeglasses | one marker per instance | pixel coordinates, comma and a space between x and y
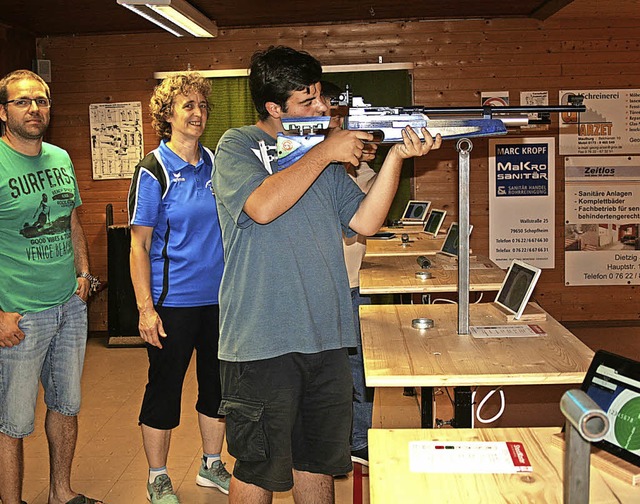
23, 103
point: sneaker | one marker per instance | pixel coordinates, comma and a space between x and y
361, 456
214, 477
161, 491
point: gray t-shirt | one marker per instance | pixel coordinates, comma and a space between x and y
285, 287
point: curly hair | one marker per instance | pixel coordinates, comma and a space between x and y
164, 93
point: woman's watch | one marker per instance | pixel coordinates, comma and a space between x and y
94, 282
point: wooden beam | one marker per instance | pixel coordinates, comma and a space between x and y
549, 8
241, 72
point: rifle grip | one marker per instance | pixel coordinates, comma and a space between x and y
292, 148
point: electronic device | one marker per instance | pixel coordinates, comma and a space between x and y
517, 287
434, 222
450, 244
383, 235
613, 382
415, 212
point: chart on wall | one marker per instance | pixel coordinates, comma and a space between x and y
116, 139
602, 220
610, 125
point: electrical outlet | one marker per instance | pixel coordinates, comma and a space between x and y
43, 68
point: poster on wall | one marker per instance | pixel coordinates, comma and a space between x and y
531, 99
610, 125
602, 220
494, 98
116, 139
522, 201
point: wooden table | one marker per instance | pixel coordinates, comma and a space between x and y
397, 355
420, 244
396, 274
391, 481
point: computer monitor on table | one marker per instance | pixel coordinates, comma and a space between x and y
517, 286
415, 212
613, 382
434, 222
450, 244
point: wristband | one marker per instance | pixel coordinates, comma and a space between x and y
93, 281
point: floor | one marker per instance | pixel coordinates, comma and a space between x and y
110, 461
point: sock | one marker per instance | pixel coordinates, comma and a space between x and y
155, 472
208, 459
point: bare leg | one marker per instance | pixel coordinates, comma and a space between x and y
245, 493
11, 469
212, 432
156, 445
312, 488
62, 433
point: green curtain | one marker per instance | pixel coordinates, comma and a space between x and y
231, 107
384, 88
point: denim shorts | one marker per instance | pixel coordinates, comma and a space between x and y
288, 412
53, 351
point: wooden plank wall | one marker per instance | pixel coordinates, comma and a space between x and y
17, 49
454, 62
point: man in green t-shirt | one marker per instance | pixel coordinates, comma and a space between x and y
44, 287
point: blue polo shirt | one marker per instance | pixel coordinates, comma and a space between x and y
176, 199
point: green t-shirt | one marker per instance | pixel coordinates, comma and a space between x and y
37, 196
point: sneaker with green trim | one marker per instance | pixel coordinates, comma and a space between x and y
161, 491
214, 477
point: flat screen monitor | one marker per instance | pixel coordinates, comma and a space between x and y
415, 212
613, 382
517, 287
450, 244
434, 222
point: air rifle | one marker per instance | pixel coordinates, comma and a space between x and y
386, 123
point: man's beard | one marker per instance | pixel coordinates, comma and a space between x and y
27, 132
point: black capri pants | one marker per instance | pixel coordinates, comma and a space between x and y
187, 329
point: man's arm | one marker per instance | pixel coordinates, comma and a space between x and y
374, 207
280, 191
80, 254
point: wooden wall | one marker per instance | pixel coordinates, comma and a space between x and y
17, 49
580, 47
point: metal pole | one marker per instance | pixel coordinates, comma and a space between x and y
585, 423
577, 462
463, 147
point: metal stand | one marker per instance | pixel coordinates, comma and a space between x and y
585, 423
463, 147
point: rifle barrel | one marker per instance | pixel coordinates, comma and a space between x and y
491, 110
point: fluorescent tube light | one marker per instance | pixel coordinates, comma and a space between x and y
176, 16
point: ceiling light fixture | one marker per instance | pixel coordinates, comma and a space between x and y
176, 16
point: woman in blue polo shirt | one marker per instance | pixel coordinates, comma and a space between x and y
176, 267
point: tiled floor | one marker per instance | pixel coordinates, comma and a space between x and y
110, 461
